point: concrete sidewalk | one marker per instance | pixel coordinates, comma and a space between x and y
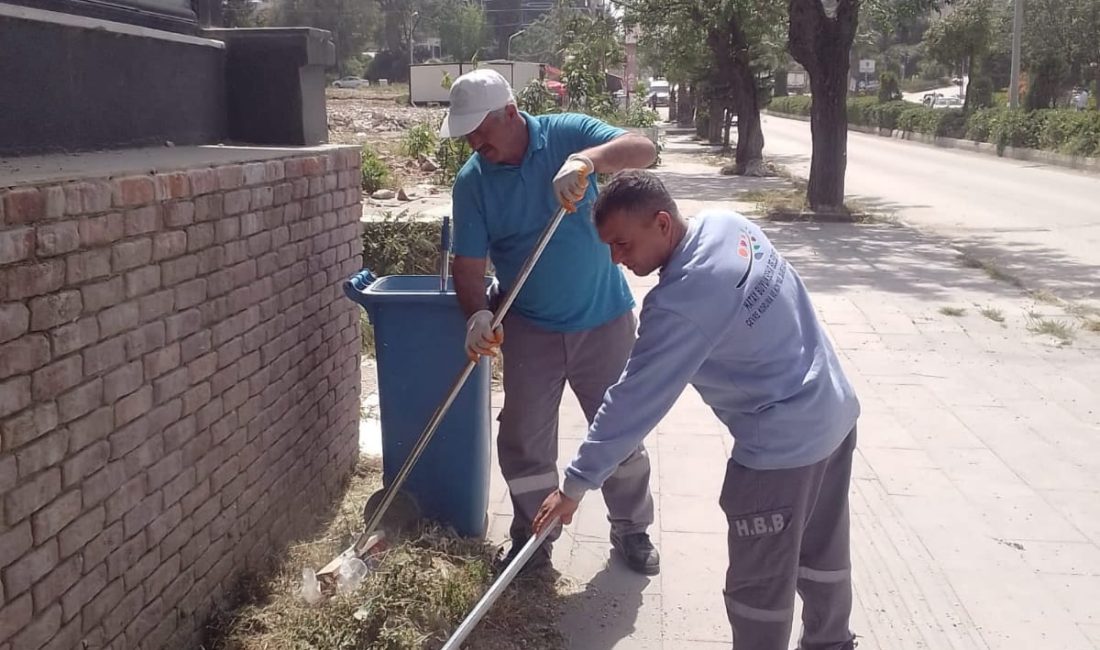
976, 492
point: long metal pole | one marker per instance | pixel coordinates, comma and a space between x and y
452, 394
1017, 35
497, 588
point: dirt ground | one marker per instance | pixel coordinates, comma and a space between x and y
379, 117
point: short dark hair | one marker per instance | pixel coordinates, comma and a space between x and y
633, 190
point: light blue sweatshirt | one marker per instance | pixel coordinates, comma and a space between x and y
732, 318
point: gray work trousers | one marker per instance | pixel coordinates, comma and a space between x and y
788, 532
537, 363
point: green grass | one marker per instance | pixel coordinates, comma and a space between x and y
995, 315
1050, 327
952, 311
972, 261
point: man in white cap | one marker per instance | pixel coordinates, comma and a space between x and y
573, 321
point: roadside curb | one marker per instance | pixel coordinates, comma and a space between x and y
1080, 163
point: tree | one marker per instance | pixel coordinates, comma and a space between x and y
594, 46
462, 30
239, 13
400, 21
820, 38
546, 39
1060, 44
671, 47
351, 22
964, 38
738, 35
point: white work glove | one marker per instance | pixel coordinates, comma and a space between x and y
571, 181
481, 340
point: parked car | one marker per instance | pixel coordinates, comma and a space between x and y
350, 82
947, 102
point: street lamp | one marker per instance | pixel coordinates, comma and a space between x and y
522, 31
1014, 73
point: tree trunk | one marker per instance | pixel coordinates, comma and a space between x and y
701, 116
685, 112
1096, 91
733, 71
829, 129
726, 115
822, 44
780, 88
673, 101
750, 134
714, 121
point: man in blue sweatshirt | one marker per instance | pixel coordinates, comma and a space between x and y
732, 318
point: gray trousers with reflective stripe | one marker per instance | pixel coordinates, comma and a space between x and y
537, 364
788, 532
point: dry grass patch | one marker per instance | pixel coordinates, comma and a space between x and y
417, 592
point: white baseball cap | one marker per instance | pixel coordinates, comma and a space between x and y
473, 96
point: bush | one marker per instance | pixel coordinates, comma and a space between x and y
1068, 131
888, 87
980, 124
1060, 130
453, 154
980, 93
792, 105
886, 115
1013, 128
375, 172
401, 246
420, 140
934, 122
536, 98
389, 64
638, 114
860, 110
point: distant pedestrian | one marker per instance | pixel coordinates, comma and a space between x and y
1081, 100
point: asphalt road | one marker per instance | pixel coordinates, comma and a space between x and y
1037, 222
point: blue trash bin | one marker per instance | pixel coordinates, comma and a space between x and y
419, 338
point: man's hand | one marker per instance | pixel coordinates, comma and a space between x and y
571, 181
481, 339
556, 506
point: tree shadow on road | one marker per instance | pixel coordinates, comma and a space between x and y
715, 187
787, 159
898, 259
879, 205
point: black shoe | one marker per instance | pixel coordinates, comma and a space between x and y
640, 553
538, 562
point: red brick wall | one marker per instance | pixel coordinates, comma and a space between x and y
179, 379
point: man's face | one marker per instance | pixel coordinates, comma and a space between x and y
492, 137
641, 243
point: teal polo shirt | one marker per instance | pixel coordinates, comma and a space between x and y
499, 211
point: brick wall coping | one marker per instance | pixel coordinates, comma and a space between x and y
55, 168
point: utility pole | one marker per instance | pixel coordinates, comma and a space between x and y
412, 30
1017, 33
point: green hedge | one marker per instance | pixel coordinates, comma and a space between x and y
792, 105
1064, 131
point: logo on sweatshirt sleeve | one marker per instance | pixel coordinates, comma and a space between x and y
749, 249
